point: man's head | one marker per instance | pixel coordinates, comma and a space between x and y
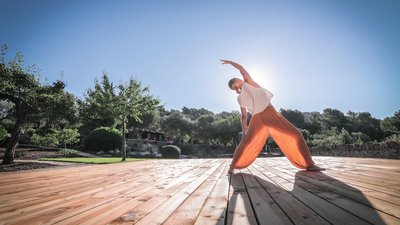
235, 84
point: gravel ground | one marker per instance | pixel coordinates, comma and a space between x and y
29, 161
17, 166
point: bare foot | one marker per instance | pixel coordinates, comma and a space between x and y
315, 168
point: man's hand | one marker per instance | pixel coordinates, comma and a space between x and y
245, 74
230, 168
226, 61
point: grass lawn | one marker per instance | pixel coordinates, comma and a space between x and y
93, 160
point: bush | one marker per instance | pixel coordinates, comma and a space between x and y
187, 149
68, 152
394, 137
20, 154
170, 151
45, 140
103, 139
3, 132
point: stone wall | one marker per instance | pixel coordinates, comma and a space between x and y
138, 147
388, 150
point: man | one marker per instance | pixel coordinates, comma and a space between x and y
265, 121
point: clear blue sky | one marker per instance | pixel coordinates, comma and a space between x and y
311, 54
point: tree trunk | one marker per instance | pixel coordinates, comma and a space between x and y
10, 150
123, 140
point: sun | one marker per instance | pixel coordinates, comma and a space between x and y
264, 76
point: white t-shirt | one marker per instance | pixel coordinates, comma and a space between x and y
255, 99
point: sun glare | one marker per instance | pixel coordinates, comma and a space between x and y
266, 77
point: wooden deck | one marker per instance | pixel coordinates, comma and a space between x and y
199, 191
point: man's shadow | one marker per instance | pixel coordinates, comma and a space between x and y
262, 197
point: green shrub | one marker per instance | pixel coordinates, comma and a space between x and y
103, 139
170, 151
21, 154
187, 149
68, 152
46, 140
3, 132
394, 137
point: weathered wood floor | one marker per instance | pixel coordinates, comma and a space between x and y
199, 191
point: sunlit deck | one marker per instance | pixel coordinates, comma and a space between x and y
199, 191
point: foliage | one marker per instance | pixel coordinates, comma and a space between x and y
225, 128
104, 106
68, 136
360, 137
194, 113
177, 125
294, 116
186, 149
21, 154
68, 152
365, 123
391, 124
204, 126
21, 87
170, 151
3, 132
149, 121
394, 137
103, 138
332, 136
46, 140
97, 108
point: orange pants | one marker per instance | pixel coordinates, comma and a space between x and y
288, 138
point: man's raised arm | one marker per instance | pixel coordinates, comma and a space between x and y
245, 74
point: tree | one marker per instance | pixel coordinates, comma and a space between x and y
48, 139
204, 128
21, 86
177, 125
226, 127
133, 101
97, 109
333, 117
194, 113
365, 123
68, 136
294, 116
149, 121
391, 124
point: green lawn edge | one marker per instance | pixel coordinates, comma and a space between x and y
95, 160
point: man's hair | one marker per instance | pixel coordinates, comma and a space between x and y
231, 82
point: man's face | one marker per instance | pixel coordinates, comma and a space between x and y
237, 86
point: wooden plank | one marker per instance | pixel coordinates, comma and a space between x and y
240, 210
105, 215
367, 198
161, 213
329, 211
266, 209
294, 209
128, 199
188, 211
380, 181
215, 208
364, 210
77, 193
198, 191
84, 203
